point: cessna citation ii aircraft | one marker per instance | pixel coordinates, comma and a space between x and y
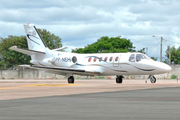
69, 64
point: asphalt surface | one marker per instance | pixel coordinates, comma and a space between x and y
146, 104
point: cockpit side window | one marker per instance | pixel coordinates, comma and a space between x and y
132, 58
140, 57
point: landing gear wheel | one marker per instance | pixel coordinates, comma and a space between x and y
153, 79
71, 79
119, 79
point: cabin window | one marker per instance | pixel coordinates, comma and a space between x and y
89, 60
105, 59
116, 59
100, 59
58, 59
140, 57
95, 59
110, 59
132, 58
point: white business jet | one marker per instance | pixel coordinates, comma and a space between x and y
101, 64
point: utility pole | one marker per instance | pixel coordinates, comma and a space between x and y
160, 47
161, 50
1, 73
169, 55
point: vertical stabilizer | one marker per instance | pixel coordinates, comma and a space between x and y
35, 42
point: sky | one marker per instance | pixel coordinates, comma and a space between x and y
82, 22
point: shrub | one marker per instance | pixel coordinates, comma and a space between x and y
100, 77
173, 76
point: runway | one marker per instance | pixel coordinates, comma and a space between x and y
93, 99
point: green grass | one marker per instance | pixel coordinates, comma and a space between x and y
100, 77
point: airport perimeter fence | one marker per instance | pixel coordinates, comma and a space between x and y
24, 73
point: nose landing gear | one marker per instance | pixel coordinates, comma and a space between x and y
152, 79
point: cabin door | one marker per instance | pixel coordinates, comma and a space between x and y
116, 60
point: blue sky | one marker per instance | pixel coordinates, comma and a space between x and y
82, 22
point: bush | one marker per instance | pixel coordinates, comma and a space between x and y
100, 77
173, 76
78, 77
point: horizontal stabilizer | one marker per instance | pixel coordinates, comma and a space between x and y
26, 51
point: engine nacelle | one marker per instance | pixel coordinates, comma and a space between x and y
44, 62
62, 61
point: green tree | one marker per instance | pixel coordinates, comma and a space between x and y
154, 58
9, 58
175, 54
50, 39
142, 50
107, 45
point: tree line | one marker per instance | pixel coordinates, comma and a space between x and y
105, 44
10, 58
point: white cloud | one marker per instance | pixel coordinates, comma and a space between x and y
82, 22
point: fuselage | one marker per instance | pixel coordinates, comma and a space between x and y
105, 63
69, 64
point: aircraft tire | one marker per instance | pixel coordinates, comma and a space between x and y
119, 80
153, 79
71, 80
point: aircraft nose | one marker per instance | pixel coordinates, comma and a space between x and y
165, 67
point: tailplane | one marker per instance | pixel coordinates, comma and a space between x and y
35, 42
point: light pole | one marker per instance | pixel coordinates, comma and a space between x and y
160, 47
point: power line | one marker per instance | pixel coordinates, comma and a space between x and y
149, 45
165, 43
154, 48
168, 42
172, 41
142, 43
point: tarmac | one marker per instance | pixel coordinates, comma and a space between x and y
89, 99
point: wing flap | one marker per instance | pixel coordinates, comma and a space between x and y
26, 51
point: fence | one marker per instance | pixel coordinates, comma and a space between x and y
19, 73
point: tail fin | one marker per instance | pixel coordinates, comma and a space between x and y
35, 42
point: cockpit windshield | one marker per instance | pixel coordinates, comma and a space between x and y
140, 57
132, 58
137, 57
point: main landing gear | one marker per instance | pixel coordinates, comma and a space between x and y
71, 79
119, 79
152, 79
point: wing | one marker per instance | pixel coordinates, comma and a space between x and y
26, 51
64, 70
